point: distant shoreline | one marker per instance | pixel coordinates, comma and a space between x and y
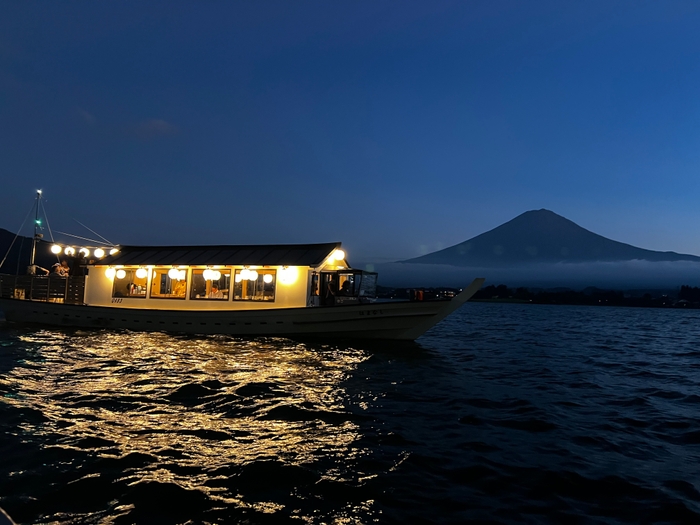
685, 297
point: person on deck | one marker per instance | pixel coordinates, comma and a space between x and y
345, 289
34, 269
329, 295
61, 269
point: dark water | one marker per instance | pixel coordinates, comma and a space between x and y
503, 413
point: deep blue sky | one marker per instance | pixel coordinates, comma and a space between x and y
396, 127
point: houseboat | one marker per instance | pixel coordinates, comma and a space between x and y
293, 290
300, 290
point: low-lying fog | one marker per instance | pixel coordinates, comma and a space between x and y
635, 274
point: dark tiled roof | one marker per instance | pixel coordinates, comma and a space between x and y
260, 255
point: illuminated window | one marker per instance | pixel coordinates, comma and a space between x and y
127, 284
211, 284
254, 285
169, 283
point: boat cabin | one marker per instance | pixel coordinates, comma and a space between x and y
245, 277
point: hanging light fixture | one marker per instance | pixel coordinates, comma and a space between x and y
69, 250
113, 251
56, 249
110, 273
173, 273
252, 275
141, 273
207, 274
121, 274
267, 278
215, 275
85, 252
99, 253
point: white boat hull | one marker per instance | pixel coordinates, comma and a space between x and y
391, 320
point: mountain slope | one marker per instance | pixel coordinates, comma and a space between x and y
18, 257
541, 236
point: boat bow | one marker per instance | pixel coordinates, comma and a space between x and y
425, 325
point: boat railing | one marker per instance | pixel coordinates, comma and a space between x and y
48, 288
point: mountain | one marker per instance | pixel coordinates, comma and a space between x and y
541, 236
18, 257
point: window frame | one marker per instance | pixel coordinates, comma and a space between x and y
154, 274
205, 298
116, 281
261, 272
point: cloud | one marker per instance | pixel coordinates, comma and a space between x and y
618, 275
152, 128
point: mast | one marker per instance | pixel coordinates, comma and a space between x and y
36, 226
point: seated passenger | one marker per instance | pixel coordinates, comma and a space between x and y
345, 289
215, 293
61, 269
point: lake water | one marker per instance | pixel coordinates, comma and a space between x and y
503, 413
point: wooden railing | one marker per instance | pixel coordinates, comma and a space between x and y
51, 288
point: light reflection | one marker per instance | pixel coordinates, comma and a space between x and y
204, 404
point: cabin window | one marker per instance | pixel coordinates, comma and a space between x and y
128, 284
368, 284
211, 284
254, 285
346, 285
169, 283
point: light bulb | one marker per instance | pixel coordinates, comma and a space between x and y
113, 251
84, 251
267, 278
110, 273
173, 273
121, 274
99, 253
69, 250
141, 273
56, 249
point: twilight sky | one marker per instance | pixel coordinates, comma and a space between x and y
398, 128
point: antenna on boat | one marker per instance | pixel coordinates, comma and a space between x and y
82, 239
93, 231
37, 224
46, 217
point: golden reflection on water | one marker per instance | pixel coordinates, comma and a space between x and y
196, 404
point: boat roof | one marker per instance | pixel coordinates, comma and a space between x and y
255, 254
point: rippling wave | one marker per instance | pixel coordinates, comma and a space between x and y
502, 413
